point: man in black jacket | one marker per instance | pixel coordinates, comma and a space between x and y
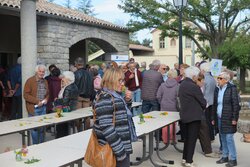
84, 82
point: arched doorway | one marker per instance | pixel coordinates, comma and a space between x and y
86, 47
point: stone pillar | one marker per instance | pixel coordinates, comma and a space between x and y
28, 41
86, 51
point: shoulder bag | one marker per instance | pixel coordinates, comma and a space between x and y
97, 155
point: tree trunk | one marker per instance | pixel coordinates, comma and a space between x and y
214, 50
242, 79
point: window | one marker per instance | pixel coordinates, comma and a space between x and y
162, 43
188, 43
173, 42
188, 59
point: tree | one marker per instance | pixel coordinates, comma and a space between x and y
67, 4
236, 53
211, 20
92, 47
86, 7
133, 38
146, 42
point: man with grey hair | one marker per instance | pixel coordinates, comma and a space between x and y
15, 86
192, 105
208, 89
36, 95
152, 79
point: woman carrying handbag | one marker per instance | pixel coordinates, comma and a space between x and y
113, 124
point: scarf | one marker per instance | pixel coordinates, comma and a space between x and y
130, 120
60, 94
136, 79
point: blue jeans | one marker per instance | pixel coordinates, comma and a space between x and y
136, 97
150, 105
16, 108
38, 132
228, 145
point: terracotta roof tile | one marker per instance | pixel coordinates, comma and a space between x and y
53, 9
140, 47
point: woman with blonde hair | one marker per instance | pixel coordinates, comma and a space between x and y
121, 133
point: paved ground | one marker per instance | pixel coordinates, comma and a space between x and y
243, 149
170, 153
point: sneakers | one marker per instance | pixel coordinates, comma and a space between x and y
190, 165
183, 162
231, 163
222, 160
212, 155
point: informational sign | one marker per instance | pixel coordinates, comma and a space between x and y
216, 65
119, 58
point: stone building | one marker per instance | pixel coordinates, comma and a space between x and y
62, 34
43, 32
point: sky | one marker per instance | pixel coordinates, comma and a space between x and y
108, 10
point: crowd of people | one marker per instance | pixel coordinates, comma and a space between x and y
207, 105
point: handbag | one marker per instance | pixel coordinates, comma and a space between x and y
99, 155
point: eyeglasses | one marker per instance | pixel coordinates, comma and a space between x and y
220, 78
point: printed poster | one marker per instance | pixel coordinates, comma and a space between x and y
216, 65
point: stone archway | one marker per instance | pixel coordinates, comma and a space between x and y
56, 37
81, 49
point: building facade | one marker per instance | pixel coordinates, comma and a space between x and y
167, 50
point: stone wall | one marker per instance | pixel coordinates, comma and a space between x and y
245, 108
244, 118
56, 36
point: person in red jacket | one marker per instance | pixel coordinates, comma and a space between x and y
133, 81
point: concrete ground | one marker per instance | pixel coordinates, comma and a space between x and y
243, 149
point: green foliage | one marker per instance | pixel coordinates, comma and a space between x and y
86, 7
205, 20
236, 52
31, 161
133, 39
92, 47
95, 62
146, 42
